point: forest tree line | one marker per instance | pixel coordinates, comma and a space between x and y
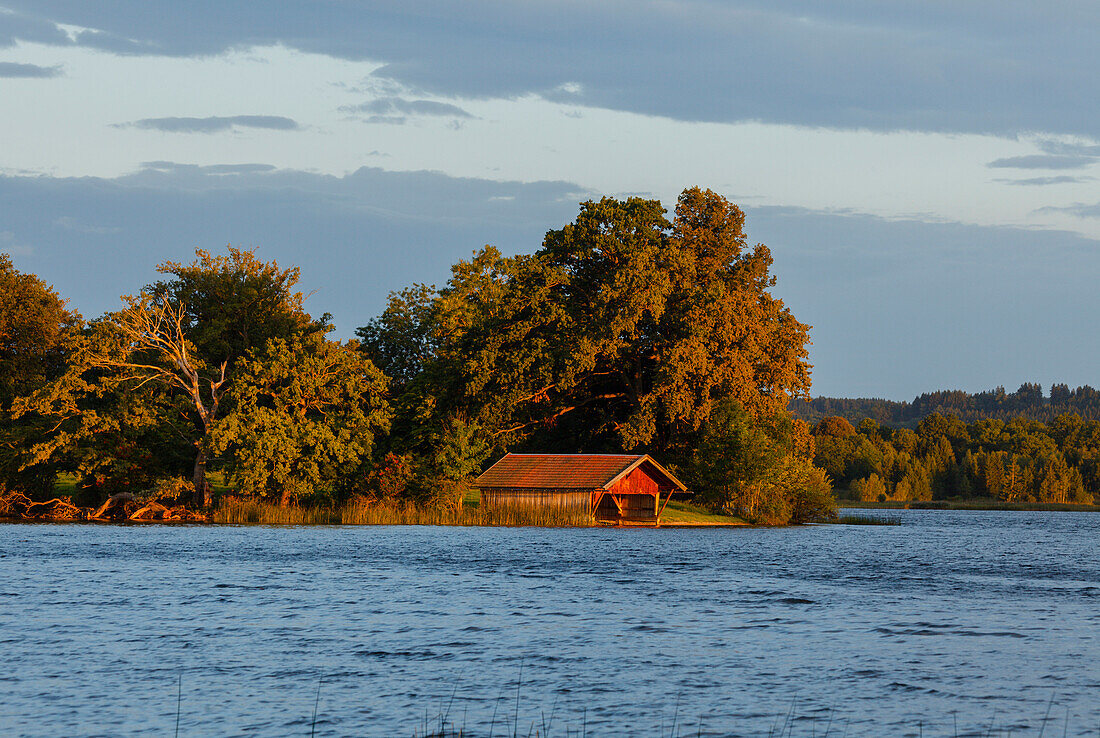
624, 332
1018, 460
1026, 402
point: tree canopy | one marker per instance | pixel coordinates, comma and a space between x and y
160, 373
34, 322
621, 332
627, 330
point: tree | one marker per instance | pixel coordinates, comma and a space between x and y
306, 413
623, 331
180, 340
34, 324
870, 489
834, 426
755, 468
401, 341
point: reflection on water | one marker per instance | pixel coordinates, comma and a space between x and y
977, 618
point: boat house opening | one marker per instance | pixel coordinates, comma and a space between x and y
618, 489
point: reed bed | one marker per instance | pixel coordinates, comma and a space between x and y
254, 512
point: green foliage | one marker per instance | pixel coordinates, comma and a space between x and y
306, 413
621, 332
1014, 461
752, 468
626, 330
34, 325
401, 341
145, 385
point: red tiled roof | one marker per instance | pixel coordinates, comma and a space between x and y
564, 471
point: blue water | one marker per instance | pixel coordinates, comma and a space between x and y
954, 623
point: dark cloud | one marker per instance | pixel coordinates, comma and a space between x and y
213, 124
355, 237
15, 27
396, 106
1069, 148
1035, 181
898, 307
1043, 161
904, 307
983, 66
13, 70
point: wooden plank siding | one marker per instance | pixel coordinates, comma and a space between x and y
572, 500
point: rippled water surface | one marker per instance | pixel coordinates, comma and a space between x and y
974, 619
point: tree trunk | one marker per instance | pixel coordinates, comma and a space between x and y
203, 498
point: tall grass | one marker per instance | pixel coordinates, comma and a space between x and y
243, 512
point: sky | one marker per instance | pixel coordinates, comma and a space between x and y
925, 173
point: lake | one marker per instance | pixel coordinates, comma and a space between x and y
952, 623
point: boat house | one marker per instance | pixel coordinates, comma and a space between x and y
618, 489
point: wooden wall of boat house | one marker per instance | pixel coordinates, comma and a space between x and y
575, 500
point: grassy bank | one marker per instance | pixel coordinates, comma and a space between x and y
967, 504
684, 513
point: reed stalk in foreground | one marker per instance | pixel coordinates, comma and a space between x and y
243, 512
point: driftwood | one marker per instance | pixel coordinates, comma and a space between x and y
56, 509
117, 508
112, 506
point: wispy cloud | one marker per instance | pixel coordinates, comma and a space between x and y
1043, 161
1037, 181
10, 245
172, 167
213, 124
70, 223
1080, 209
11, 70
1069, 148
385, 109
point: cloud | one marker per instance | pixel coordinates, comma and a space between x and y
898, 307
983, 66
901, 307
356, 237
72, 224
1043, 161
12, 70
395, 120
1081, 210
1069, 148
397, 105
1060, 179
11, 246
213, 124
171, 166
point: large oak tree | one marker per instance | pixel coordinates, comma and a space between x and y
621, 332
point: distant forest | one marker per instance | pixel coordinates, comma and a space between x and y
1026, 402
1019, 447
